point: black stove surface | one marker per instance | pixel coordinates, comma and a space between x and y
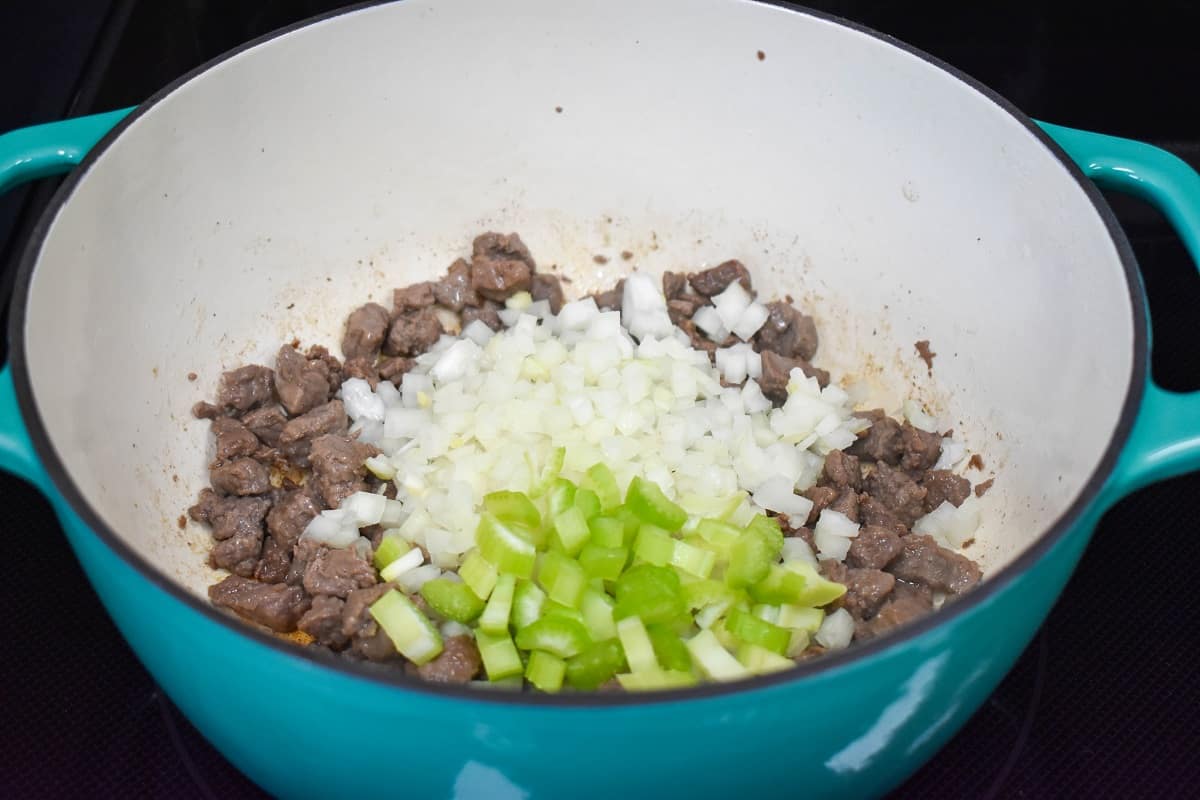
1102, 704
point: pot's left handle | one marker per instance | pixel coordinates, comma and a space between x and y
26, 154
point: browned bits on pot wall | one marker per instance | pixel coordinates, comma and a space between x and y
976, 461
926, 354
982, 488
761, 55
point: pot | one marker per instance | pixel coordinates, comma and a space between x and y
269, 192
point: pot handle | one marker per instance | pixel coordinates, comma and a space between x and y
1165, 440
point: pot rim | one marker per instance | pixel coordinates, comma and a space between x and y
397, 679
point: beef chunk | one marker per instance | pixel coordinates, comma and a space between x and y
327, 418
942, 485
242, 476
454, 290
846, 503
907, 602
924, 561
414, 297
412, 333
204, 410
776, 371
323, 622
699, 340
365, 328
275, 605
903, 496
880, 442
363, 369
234, 439
611, 299
367, 639
266, 423
866, 589
337, 463
874, 512
674, 285
788, 332
682, 310
338, 572
275, 561
290, 515
393, 369
715, 280
488, 314
921, 448
822, 497
239, 553
301, 384
500, 266
458, 662
244, 388
303, 553
230, 516
874, 547
547, 287
842, 471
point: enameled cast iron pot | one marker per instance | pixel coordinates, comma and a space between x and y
269, 192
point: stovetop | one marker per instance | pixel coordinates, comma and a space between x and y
1103, 703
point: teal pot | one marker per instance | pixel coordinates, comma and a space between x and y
269, 192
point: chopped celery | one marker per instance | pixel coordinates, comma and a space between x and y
451, 599
753, 630
698, 594
720, 534
509, 548
769, 528
713, 659
560, 496
750, 558
635, 641
588, 502
499, 606
647, 500
558, 635
601, 481
553, 609
706, 616
415, 637
800, 618
632, 523
607, 531
818, 590
669, 648
570, 530
767, 612
409, 561
390, 548
693, 560
603, 562
654, 545
595, 665
703, 505
760, 660
478, 573
545, 671
655, 679
563, 578
652, 593
549, 473
512, 507
499, 655
798, 644
528, 599
779, 586
597, 610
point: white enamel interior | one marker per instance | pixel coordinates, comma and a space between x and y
269, 196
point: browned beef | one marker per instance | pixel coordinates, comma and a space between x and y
328, 418
880, 442
323, 622
266, 423
290, 515
458, 662
674, 285
275, 561
230, 516
244, 388
365, 328
362, 368
275, 605
921, 448
304, 551
393, 369
866, 589
821, 497
412, 333
874, 547
547, 287
611, 299
907, 602
242, 476
454, 290
500, 266
715, 280
898, 492
788, 332
301, 384
234, 439
874, 512
488, 314
846, 503
924, 561
338, 572
239, 553
682, 309
367, 639
414, 297
842, 471
337, 464
777, 369
942, 485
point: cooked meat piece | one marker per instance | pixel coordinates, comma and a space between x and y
362, 368
906, 603
500, 266
611, 300
458, 662
338, 572
239, 553
921, 448
266, 423
230, 516
412, 333
942, 485
275, 561
488, 314
715, 280
392, 369
414, 297
866, 589
323, 622
337, 464
302, 385
333, 367
547, 287
874, 547
365, 328
328, 418
842, 471
244, 388
367, 639
874, 512
880, 442
822, 497
275, 605
204, 410
242, 476
788, 332
924, 561
777, 369
699, 340
674, 285
233, 439
303, 553
846, 503
903, 496
290, 515
682, 309
454, 290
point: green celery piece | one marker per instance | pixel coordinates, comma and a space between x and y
607, 531
632, 523
656, 679
601, 480
779, 586
717, 533
499, 655
528, 600
507, 546
635, 641
709, 614
654, 545
545, 671
753, 630
570, 530
494, 618
603, 562
818, 590
391, 548
800, 618
560, 496
595, 665
698, 594
768, 612
550, 471
798, 644
596, 609
478, 573
561, 636
647, 500
414, 636
453, 600
553, 609
562, 577
711, 507
760, 660
698, 561
669, 648
512, 507
714, 660
588, 502
769, 528
652, 593
750, 558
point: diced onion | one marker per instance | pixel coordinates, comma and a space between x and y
950, 526
836, 631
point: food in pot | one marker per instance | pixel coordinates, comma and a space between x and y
644, 488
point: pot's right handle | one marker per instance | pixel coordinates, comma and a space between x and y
1165, 440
